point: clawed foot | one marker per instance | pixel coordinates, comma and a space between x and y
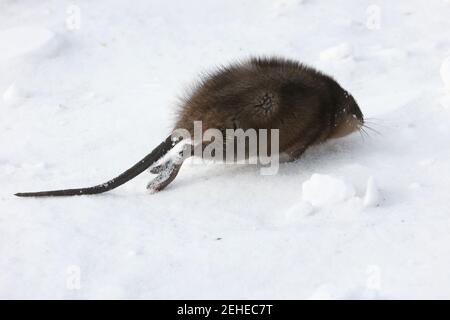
166, 173
159, 168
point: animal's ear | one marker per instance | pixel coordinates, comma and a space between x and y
263, 107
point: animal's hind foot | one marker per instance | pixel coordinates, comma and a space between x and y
166, 174
159, 168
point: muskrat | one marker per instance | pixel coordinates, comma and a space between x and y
306, 106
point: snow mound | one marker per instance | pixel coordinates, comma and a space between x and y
13, 95
299, 210
372, 198
339, 52
324, 190
24, 40
297, 213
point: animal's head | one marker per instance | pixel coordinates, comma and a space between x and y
348, 117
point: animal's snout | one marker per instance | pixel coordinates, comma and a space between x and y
349, 124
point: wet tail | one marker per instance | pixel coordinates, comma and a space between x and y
126, 176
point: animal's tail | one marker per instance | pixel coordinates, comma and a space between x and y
129, 174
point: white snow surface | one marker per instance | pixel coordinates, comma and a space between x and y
80, 105
445, 73
372, 196
324, 190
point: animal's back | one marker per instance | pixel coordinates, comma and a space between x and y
266, 93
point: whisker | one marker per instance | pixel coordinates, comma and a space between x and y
374, 123
360, 133
372, 129
377, 122
362, 129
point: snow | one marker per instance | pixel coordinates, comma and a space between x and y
23, 40
372, 198
85, 97
339, 52
296, 214
300, 210
445, 73
11, 95
325, 190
